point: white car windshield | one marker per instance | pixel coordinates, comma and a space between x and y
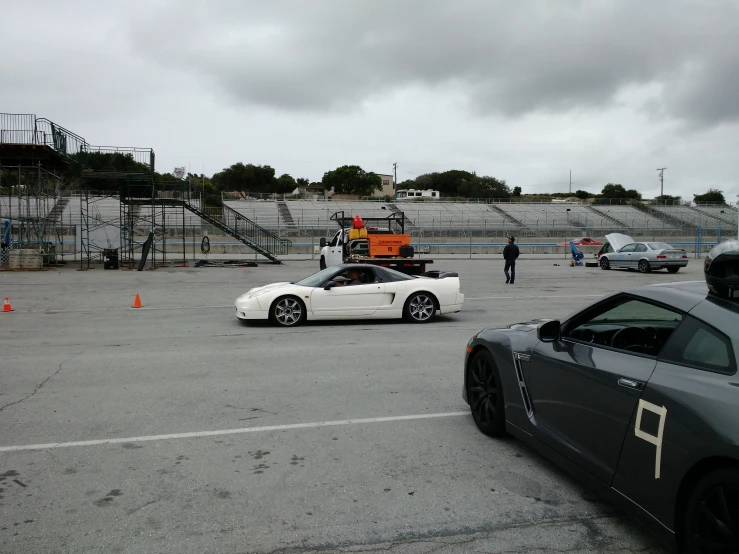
317, 278
659, 246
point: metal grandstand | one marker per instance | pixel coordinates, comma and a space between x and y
62, 195
311, 218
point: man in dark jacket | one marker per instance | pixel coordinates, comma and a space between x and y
510, 253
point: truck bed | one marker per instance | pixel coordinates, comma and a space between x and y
409, 266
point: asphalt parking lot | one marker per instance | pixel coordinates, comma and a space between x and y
176, 428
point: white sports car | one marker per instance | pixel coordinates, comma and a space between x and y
354, 291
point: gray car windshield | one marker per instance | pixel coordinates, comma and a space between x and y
659, 246
317, 278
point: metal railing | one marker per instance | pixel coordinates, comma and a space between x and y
28, 129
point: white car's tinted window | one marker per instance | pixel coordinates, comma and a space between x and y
392, 275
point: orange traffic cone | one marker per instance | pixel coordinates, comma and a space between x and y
137, 302
7, 307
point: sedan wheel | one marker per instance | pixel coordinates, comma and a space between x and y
712, 514
288, 311
673, 269
485, 394
420, 308
604, 263
644, 266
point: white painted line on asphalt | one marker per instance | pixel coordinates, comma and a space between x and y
52, 311
528, 296
197, 434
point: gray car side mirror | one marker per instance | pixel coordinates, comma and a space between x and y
551, 331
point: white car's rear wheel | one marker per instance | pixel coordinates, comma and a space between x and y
420, 308
288, 311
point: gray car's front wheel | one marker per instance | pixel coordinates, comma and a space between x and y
288, 311
710, 518
605, 264
485, 394
420, 308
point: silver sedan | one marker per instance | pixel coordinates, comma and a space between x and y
645, 256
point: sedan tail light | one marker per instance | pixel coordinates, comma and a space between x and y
661, 257
685, 256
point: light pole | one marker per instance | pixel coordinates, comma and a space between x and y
737, 217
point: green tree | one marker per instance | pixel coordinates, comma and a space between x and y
612, 190
583, 194
246, 178
302, 182
351, 179
285, 184
516, 191
484, 187
713, 195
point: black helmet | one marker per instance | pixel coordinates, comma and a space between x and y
721, 269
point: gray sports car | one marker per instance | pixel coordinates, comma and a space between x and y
622, 252
635, 394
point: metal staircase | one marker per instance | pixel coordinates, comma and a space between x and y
243, 229
287, 217
211, 209
408, 223
607, 217
55, 214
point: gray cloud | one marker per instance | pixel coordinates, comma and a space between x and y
503, 57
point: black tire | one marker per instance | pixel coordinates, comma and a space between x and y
322, 263
711, 514
673, 269
420, 308
605, 264
485, 394
287, 311
644, 266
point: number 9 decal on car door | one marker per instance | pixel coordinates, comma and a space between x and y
661, 411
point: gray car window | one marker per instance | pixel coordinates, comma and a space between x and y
625, 323
628, 248
640, 248
631, 310
699, 345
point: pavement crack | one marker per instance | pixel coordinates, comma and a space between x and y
149, 503
39, 387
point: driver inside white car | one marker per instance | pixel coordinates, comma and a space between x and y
354, 279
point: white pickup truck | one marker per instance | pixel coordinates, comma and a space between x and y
341, 250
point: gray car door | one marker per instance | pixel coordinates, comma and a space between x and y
640, 252
624, 256
584, 390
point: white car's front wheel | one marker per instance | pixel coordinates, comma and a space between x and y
288, 311
420, 308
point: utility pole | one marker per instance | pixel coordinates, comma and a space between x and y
661, 181
395, 178
570, 181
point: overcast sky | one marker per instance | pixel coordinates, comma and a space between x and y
525, 91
